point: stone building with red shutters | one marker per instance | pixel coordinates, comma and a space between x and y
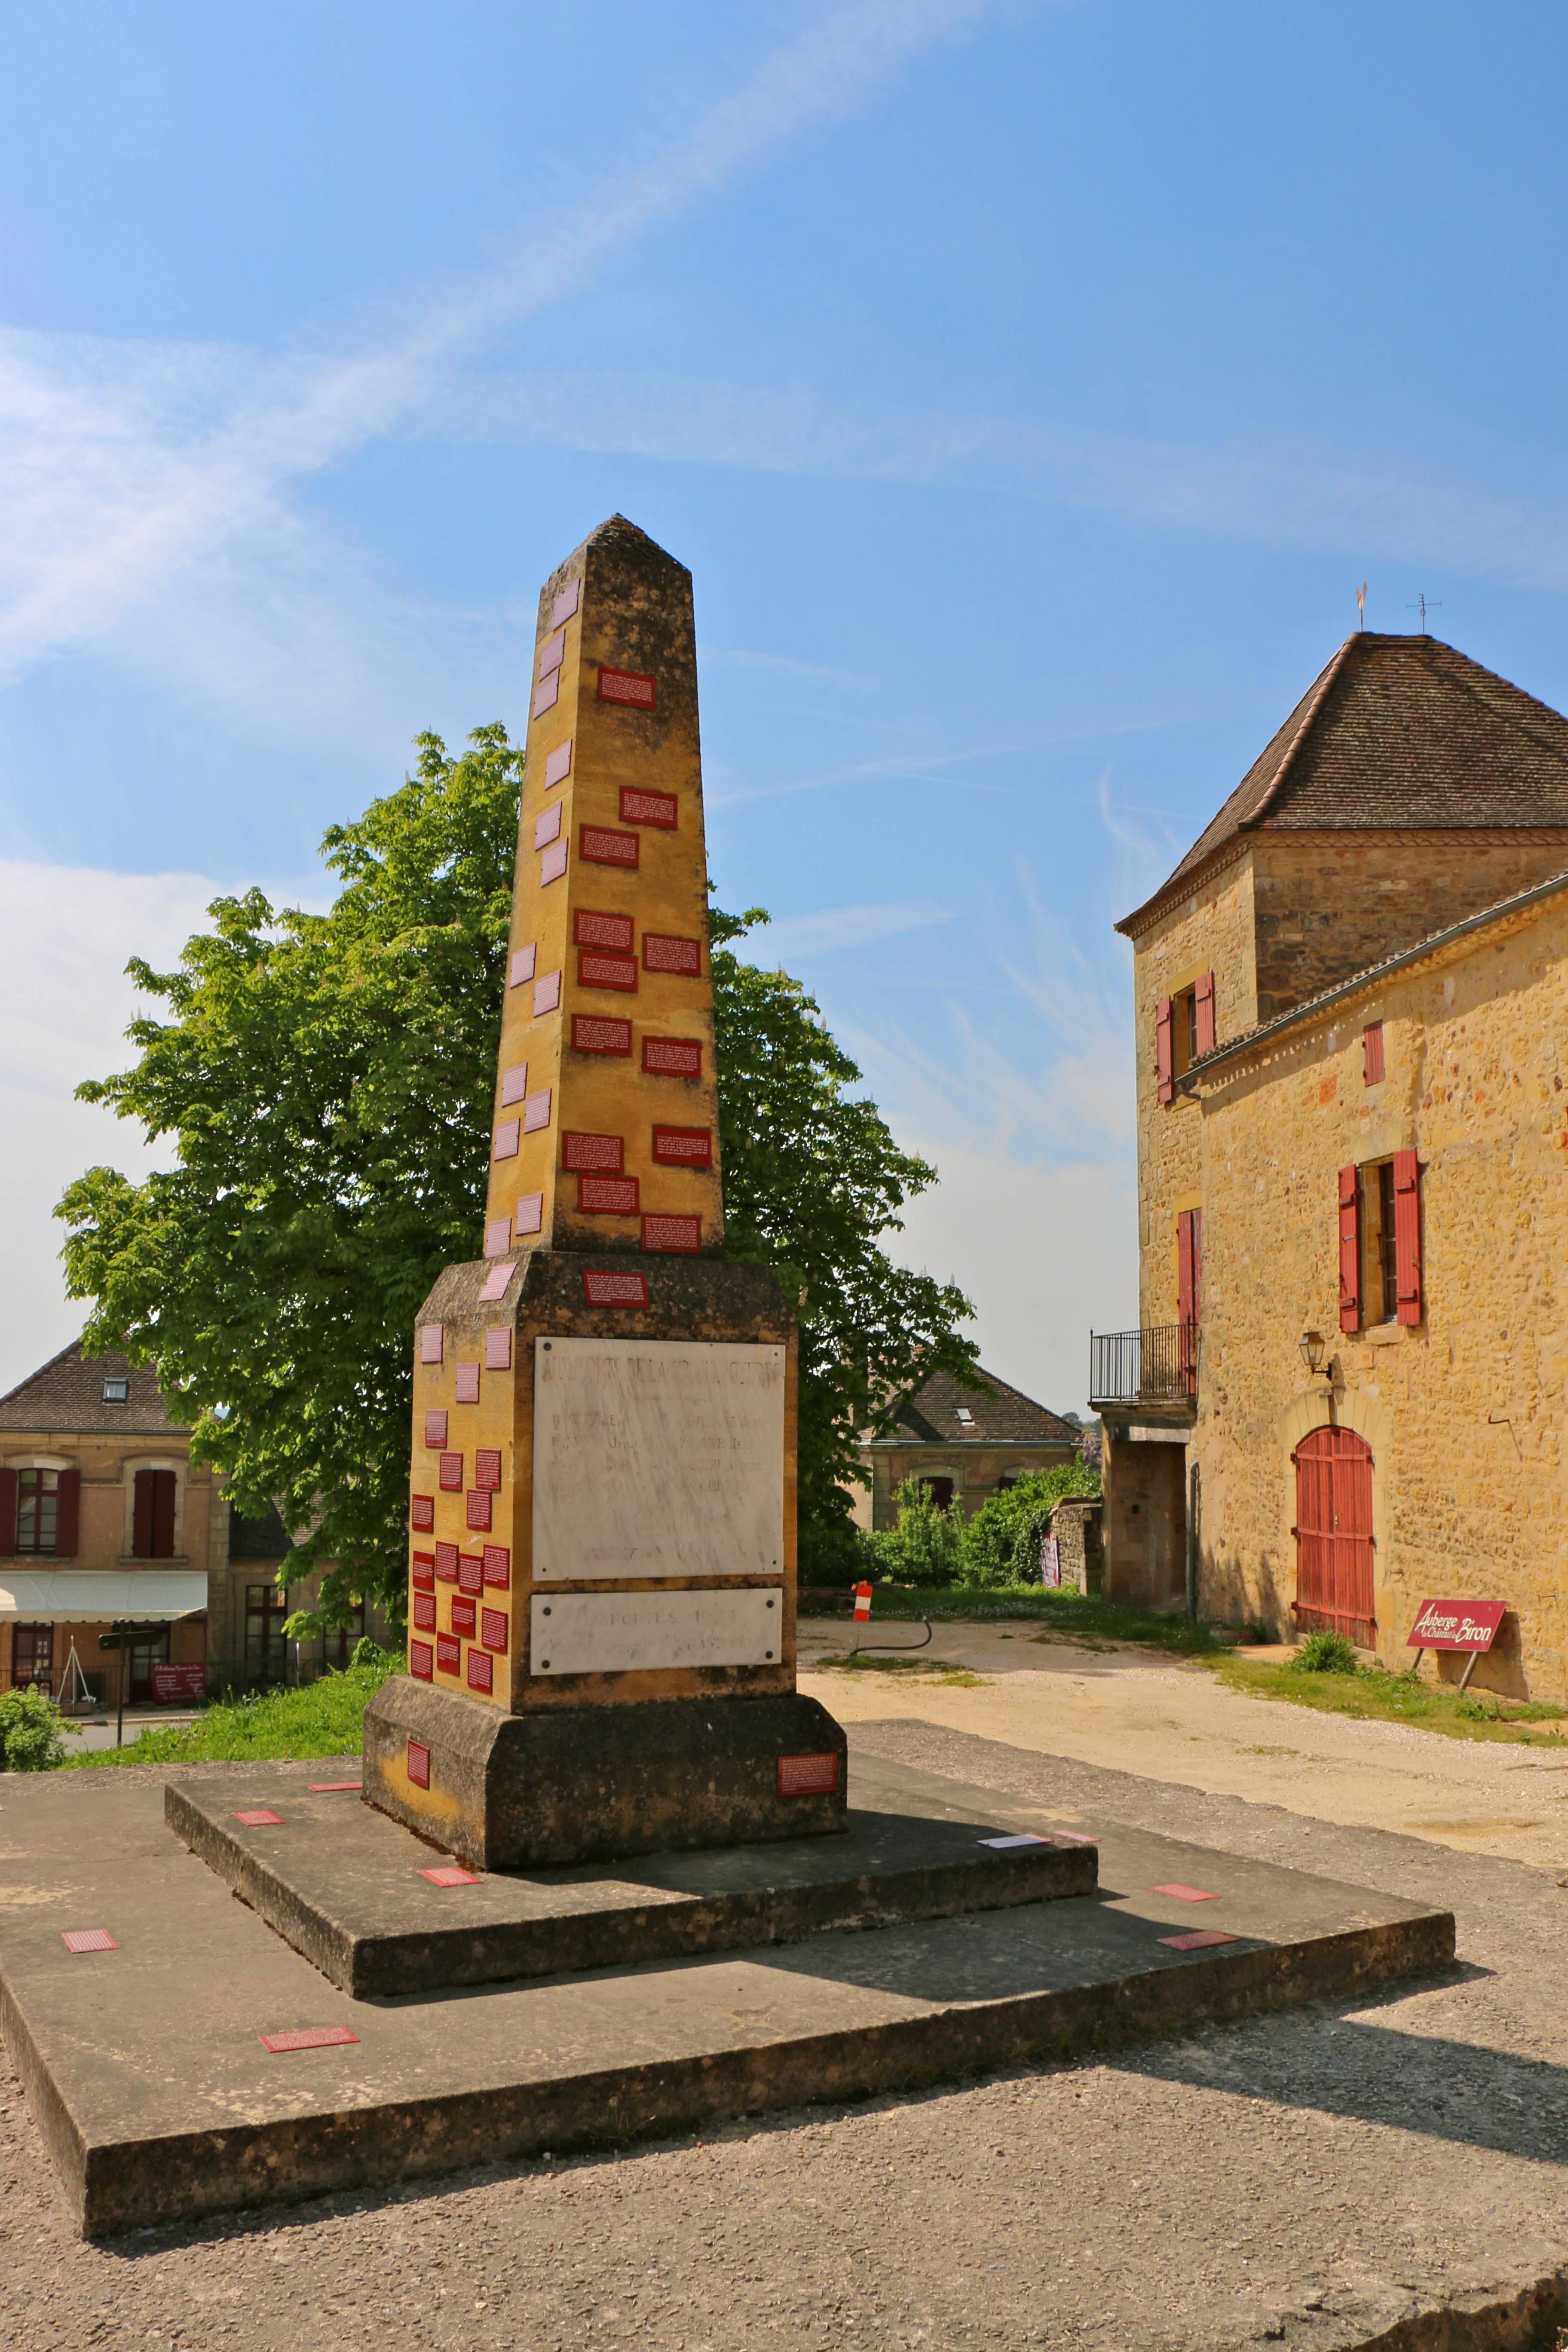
1346, 1392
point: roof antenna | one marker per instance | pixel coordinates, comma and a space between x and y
1360, 605
1422, 606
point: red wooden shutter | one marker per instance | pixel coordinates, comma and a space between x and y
1350, 1250
1186, 1288
1202, 1001
68, 1512
142, 1515
8, 1511
1197, 1264
163, 1514
1165, 1060
1408, 1234
1372, 1053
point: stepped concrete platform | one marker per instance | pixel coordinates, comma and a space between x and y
145, 2069
345, 1884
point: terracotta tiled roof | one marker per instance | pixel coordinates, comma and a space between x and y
997, 1413
1398, 734
66, 1393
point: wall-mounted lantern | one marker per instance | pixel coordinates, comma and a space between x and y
1312, 1351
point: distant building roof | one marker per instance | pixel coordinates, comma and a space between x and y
1398, 734
997, 1413
66, 1393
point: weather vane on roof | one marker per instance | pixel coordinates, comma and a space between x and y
1360, 605
1422, 606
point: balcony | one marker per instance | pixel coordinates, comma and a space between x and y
1157, 1367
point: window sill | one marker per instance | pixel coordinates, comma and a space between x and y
160, 1559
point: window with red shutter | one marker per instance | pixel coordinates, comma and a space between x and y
68, 1514
152, 1516
1350, 1250
1185, 1297
1203, 1015
1164, 1058
8, 1511
1408, 1234
1372, 1053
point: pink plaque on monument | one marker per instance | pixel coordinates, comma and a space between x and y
448, 1654
333, 1788
498, 1237
418, 1754
566, 605
1200, 1939
498, 1565
1185, 1894
422, 1510
596, 970
424, 1613
522, 966
423, 1572
547, 694
492, 1628
683, 1147
436, 1429
88, 1939
680, 1234
603, 847
446, 1563
552, 864
552, 652
452, 1473
631, 688
808, 1776
607, 1196
487, 1463
603, 1155
260, 1817
602, 1288
307, 2037
547, 828
663, 952
448, 1873
494, 1284
558, 764
529, 1214
547, 993
421, 1664
478, 1508
462, 1614
640, 807
466, 1383
514, 1083
592, 927
592, 1033
430, 1336
536, 1112
672, 1058
506, 1141
498, 1348
470, 1573
481, 1672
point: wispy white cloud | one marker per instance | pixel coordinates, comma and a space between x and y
707, 654
835, 927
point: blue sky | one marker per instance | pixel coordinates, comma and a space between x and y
1029, 387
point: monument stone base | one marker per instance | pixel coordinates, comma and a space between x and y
580, 1784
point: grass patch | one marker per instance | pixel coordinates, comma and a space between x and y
324, 1718
1374, 1695
1066, 1616
935, 1670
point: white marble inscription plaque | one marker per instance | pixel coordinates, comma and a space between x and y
623, 1633
658, 1457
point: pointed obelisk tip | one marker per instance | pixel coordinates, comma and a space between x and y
617, 532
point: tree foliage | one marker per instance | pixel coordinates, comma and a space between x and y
327, 1081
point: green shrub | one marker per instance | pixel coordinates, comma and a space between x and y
926, 1547
33, 1732
1325, 1653
1001, 1542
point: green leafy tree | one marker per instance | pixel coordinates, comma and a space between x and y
327, 1081
1002, 1541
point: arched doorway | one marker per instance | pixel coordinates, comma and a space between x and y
1333, 1534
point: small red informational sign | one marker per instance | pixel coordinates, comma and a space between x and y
632, 687
639, 807
172, 1683
606, 1289
662, 951
418, 1764
683, 1147
600, 844
671, 1057
1457, 1625
307, 2037
808, 1776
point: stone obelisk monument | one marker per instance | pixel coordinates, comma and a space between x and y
602, 1571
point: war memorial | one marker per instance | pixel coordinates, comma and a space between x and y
608, 1873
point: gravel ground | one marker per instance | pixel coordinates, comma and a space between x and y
1318, 2180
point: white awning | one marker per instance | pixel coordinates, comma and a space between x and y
94, 1596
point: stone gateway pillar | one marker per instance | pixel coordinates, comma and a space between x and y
602, 1569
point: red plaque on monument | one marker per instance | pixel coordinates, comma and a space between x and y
462, 1614
514, 1083
423, 1577
446, 1563
680, 1234
448, 1654
260, 1817
478, 1509
418, 1764
631, 686
88, 1939
466, 1383
593, 1033
481, 1672
683, 1147
808, 1776
420, 1663
590, 930
640, 807
596, 1155
505, 1139
307, 2037
596, 970
498, 1348
425, 1611
1199, 1939
558, 764
452, 1474
497, 1564
470, 1571
607, 1196
487, 1465
436, 1429
672, 1058
422, 1511
661, 953
492, 1628
431, 1337
600, 845
448, 1873
602, 1288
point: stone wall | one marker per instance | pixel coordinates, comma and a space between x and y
1145, 1522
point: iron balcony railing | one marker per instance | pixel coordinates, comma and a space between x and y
1156, 1366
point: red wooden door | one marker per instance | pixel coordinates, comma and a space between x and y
1333, 1534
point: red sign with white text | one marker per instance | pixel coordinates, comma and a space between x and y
1457, 1625
178, 1682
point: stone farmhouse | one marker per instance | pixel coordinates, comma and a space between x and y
965, 1444
1346, 1394
105, 1519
